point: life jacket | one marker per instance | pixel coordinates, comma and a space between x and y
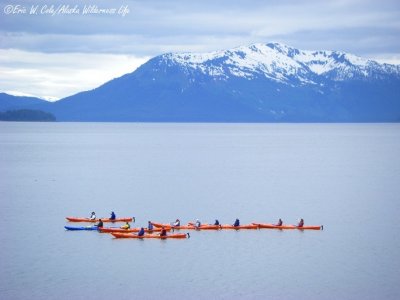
126, 226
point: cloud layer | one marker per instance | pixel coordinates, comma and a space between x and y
366, 28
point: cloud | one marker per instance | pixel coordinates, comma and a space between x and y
154, 26
57, 75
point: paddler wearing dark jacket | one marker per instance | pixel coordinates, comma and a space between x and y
100, 224
150, 226
163, 231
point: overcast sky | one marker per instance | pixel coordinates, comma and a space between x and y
59, 50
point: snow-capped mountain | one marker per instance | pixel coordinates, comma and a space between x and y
281, 63
257, 83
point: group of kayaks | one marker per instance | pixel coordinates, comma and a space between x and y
154, 232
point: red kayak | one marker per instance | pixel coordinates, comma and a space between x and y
284, 226
121, 230
74, 219
119, 235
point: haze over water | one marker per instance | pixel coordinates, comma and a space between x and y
344, 176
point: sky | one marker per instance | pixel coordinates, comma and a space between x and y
55, 48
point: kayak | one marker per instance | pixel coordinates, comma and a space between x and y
288, 226
188, 226
119, 235
110, 229
81, 227
74, 219
208, 227
247, 226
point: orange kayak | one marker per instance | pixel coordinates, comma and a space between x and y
272, 226
150, 236
74, 219
188, 226
109, 230
247, 226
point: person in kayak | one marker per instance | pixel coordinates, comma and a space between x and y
197, 224
126, 226
149, 226
100, 224
279, 223
301, 223
216, 222
112, 216
237, 223
93, 216
163, 231
141, 232
177, 223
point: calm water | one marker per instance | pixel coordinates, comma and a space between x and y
344, 176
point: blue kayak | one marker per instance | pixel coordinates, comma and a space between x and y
81, 227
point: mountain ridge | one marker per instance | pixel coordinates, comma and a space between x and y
257, 83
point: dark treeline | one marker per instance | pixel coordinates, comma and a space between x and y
27, 115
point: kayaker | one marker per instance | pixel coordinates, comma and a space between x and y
301, 223
93, 216
141, 232
100, 224
197, 224
150, 226
216, 222
237, 223
112, 216
279, 223
163, 231
126, 226
177, 223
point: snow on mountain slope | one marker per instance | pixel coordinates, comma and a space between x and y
280, 63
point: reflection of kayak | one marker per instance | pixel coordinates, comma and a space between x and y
74, 219
110, 229
150, 236
288, 226
247, 226
188, 226
81, 227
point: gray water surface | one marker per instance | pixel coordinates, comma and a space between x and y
344, 176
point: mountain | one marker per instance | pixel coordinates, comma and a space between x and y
257, 83
9, 102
